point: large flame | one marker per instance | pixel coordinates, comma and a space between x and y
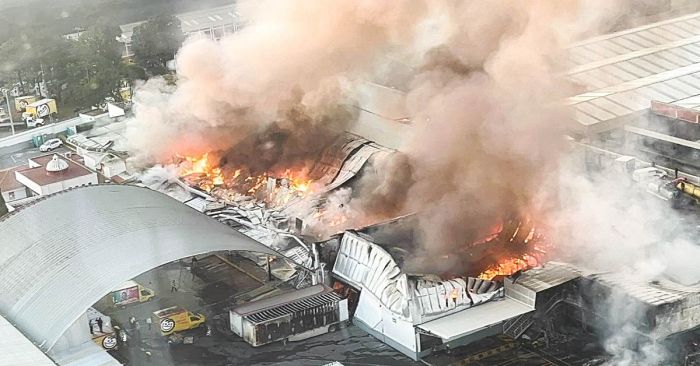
508, 266
200, 172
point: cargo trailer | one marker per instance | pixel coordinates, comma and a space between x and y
292, 316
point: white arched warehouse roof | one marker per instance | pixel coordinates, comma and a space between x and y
63, 253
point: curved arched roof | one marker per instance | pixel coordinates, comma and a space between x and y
63, 253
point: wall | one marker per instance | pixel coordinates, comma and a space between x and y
18, 193
75, 182
388, 327
23, 140
401, 331
28, 183
113, 167
77, 334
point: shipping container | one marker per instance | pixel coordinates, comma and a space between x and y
292, 316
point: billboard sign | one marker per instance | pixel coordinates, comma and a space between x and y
125, 296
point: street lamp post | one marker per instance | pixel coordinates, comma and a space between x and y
9, 112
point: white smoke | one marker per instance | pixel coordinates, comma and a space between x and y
484, 88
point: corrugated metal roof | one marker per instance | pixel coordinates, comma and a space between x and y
328, 298
624, 71
652, 293
549, 275
17, 350
474, 319
285, 298
98, 237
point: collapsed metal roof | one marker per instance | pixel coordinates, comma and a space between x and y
97, 238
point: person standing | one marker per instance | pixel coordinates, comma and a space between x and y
149, 321
99, 324
173, 287
193, 268
92, 331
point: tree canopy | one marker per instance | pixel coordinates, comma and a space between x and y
155, 42
81, 73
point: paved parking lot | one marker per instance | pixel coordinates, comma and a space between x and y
211, 294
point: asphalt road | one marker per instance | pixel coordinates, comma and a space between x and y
20, 157
350, 345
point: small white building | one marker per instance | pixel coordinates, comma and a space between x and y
49, 174
11, 189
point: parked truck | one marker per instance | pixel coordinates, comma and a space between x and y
21, 103
131, 292
176, 319
36, 113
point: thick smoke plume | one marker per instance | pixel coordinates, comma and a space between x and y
483, 88
281, 88
483, 85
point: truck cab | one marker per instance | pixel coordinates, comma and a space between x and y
176, 319
32, 121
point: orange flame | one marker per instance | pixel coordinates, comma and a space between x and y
508, 266
207, 177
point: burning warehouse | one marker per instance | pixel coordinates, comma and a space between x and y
445, 239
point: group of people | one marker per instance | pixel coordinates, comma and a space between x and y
99, 323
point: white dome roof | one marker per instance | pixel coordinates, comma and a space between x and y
56, 164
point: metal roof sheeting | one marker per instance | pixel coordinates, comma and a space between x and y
367, 266
17, 350
474, 319
656, 293
98, 238
325, 299
625, 71
549, 275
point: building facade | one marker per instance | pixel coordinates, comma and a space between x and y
212, 23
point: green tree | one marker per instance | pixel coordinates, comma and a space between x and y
80, 73
155, 42
23, 56
93, 68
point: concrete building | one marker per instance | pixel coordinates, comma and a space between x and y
11, 188
50, 174
103, 148
212, 23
